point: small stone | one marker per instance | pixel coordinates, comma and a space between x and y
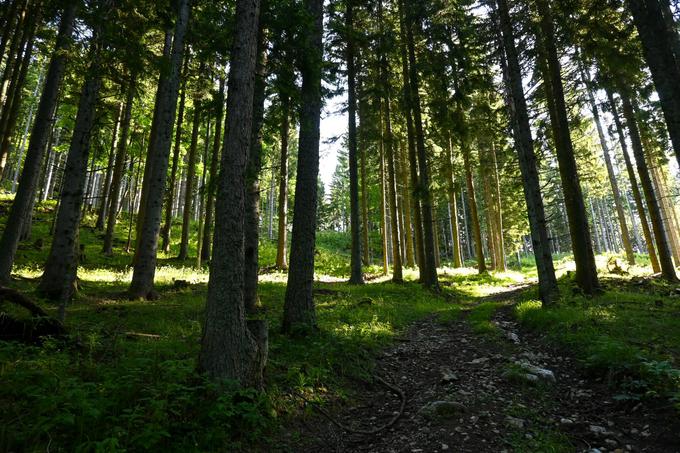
597, 429
594, 450
566, 421
445, 447
441, 409
448, 376
515, 422
512, 336
480, 360
611, 442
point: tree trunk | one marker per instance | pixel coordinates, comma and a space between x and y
118, 169
166, 231
189, 188
646, 232
109, 172
586, 269
625, 235
472, 204
657, 45
356, 275
282, 233
159, 150
230, 348
252, 220
524, 143
406, 204
23, 201
214, 171
59, 278
662, 242
299, 311
429, 272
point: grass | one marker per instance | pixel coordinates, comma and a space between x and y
108, 389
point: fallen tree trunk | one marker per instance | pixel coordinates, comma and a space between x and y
26, 329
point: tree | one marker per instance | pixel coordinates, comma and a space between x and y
159, 150
231, 349
299, 312
23, 201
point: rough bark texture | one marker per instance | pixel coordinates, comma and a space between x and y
231, 349
524, 143
429, 271
356, 275
299, 312
472, 204
663, 247
118, 169
214, 170
23, 201
388, 143
582, 246
159, 150
646, 232
252, 221
657, 45
59, 278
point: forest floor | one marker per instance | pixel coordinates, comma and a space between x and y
124, 378
481, 383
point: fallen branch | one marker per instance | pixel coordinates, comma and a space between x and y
28, 330
344, 427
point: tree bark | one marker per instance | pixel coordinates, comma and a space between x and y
282, 233
159, 150
637, 196
214, 170
299, 312
252, 220
524, 144
356, 274
230, 348
429, 272
106, 189
662, 242
23, 201
582, 246
118, 169
190, 183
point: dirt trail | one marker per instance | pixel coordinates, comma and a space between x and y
485, 402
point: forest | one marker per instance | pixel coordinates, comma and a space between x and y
340, 225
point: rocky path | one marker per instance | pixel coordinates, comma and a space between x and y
471, 392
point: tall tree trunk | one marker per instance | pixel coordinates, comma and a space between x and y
637, 196
189, 188
625, 235
582, 246
170, 197
412, 152
230, 348
36, 147
252, 221
356, 275
388, 143
58, 281
524, 143
383, 208
365, 249
159, 150
406, 206
472, 204
299, 308
429, 272
118, 169
214, 170
106, 189
657, 45
662, 242
453, 205
282, 233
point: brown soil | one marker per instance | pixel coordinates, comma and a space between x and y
577, 411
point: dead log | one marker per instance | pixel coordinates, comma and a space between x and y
30, 329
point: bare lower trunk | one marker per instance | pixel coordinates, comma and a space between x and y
23, 202
106, 189
231, 348
151, 208
189, 188
299, 311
